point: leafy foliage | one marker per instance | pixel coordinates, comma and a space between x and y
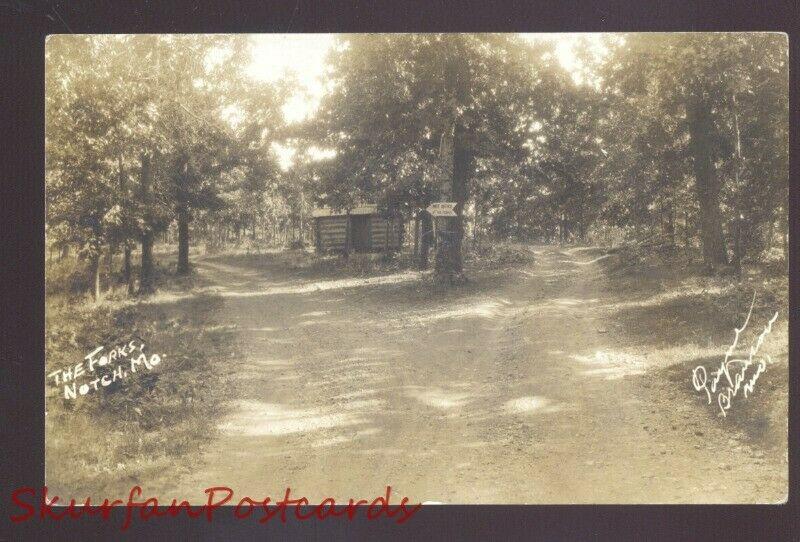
680, 135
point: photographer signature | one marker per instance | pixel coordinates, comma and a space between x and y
735, 369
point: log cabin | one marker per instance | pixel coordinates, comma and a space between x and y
361, 229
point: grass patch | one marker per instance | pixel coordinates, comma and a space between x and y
494, 254
761, 417
306, 264
69, 278
102, 443
671, 311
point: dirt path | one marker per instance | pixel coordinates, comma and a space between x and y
518, 395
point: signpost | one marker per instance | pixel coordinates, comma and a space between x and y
442, 208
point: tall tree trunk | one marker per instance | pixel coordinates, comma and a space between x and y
183, 240
126, 265
112, 249
415, 253
686, 235
182, 212
476, 225
426, 239
146, 271
707, 184
563, 230
456, 163
95, 267
386, 240
668, 224
302, 220
449, 263
127, 274
671, 228
738, 246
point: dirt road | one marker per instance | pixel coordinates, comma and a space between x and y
519, 393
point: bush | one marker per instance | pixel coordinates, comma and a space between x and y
500, 253
66, 276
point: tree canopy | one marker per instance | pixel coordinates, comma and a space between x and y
680, 135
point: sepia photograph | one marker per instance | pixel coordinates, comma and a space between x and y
431, 268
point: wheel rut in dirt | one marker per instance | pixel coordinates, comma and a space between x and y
519, 394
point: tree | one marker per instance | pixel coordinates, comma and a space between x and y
258, 124
661, 132
85, 122
196, 138
139, 132
687, 91
396, 98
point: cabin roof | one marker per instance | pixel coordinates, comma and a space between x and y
368, 209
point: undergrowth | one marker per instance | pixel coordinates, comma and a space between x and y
696, 314
102, 443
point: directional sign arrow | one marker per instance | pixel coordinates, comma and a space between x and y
442, 208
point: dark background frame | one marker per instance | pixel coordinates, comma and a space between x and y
25, 23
